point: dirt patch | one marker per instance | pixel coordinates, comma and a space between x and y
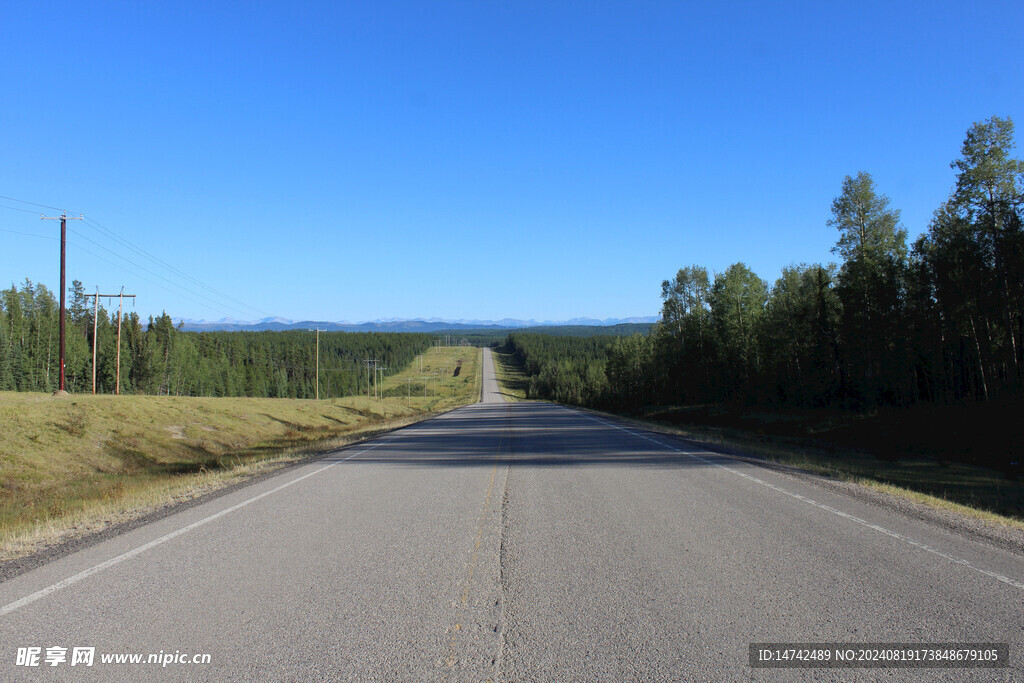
177, 431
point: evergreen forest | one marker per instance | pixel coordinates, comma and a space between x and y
158, 358
891, 325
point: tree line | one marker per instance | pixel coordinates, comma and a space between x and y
158, 358
939, 320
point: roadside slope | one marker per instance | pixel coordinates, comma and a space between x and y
74, 465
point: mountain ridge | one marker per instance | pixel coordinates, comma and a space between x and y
396, 324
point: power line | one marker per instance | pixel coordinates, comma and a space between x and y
157, 275
142, 252
207, 302
22, 201
29, 234
15, 208
228, 301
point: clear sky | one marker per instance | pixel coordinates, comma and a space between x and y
548, 160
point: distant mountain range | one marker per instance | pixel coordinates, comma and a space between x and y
398, 325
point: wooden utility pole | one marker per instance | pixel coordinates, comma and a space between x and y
408, 391
95, 329
318, 363
117, 371
368, 361
382, 369
95, 319
63, 283
120, 304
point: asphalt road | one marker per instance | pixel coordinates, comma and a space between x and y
515, 541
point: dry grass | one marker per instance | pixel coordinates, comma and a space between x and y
73, 465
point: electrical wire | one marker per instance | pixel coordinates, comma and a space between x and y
30, 234
142, 252
15, 208
218, 302
217, 305
146, 279
22, 201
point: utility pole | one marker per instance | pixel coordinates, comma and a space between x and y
382, 368
368, 361
120, 303
95, 317
63, 282
318, 363
117, 362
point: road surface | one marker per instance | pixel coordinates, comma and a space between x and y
513, 541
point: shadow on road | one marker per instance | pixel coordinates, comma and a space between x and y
524, 435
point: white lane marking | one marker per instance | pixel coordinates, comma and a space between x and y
917, 544
84, 574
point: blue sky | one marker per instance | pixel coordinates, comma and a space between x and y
546, 160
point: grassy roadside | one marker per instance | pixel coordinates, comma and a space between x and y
71, 466
968, 490
960, 488
512, 381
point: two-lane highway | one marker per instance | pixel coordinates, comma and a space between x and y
515, 541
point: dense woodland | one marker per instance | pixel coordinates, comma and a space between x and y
494, 336
891, 324
157, 358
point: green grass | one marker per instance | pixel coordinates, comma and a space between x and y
512, 381
76, 464
444, 388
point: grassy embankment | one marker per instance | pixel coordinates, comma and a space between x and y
902, 453
73, 465
910, 453
512, 381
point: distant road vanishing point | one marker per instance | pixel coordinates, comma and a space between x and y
512, 541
